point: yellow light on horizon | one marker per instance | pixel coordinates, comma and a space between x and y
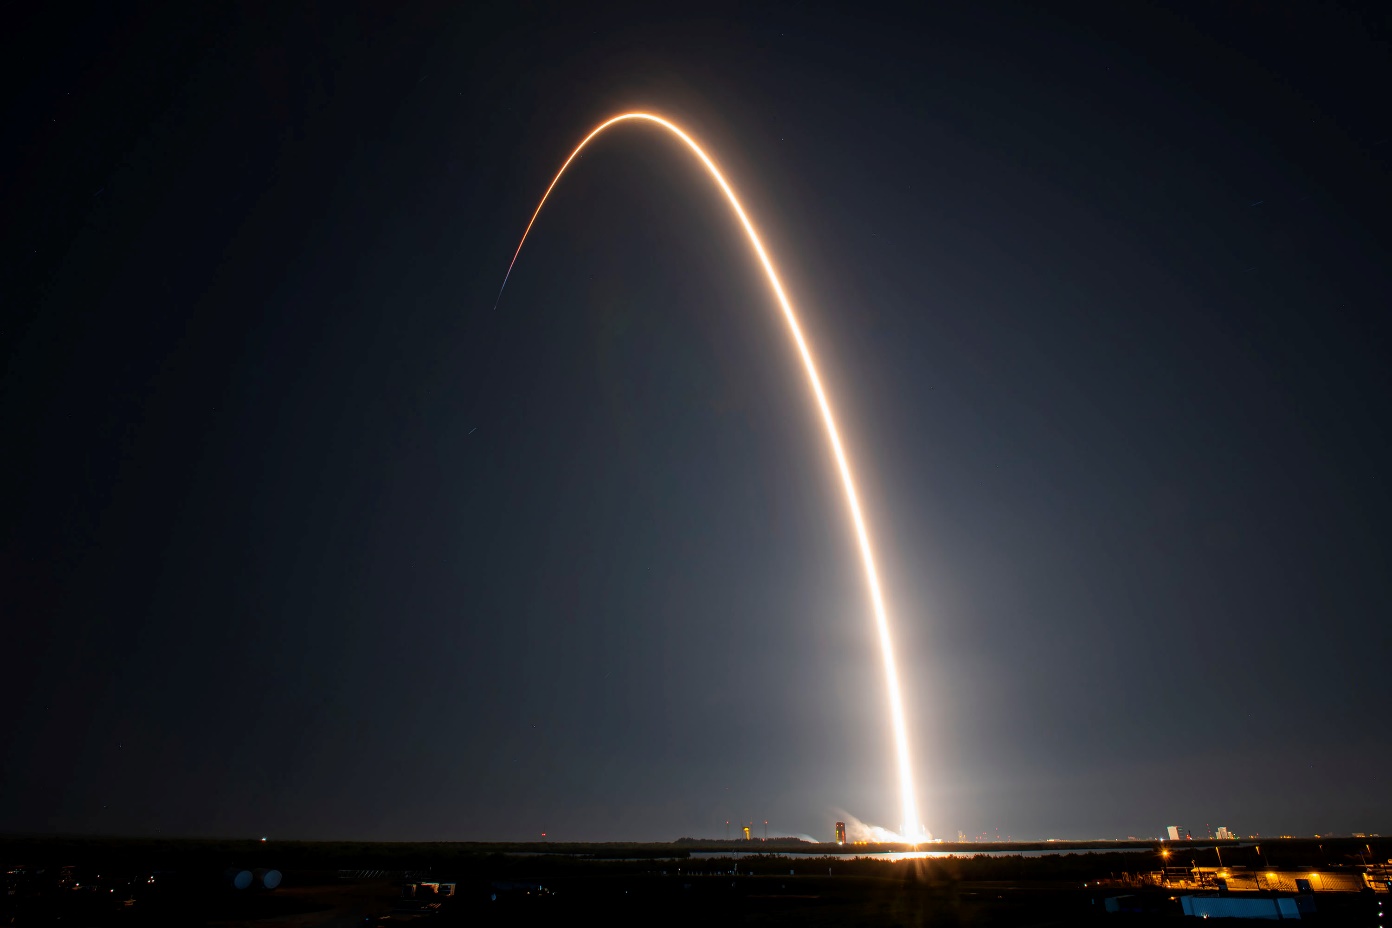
912, 828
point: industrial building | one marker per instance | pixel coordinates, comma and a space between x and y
1267, 907
840, 832
1240, 879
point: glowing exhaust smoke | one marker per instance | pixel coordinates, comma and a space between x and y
858, 832
912, 830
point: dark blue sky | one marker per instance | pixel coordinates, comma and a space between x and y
302, 537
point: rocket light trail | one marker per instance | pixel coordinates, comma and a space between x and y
908, 804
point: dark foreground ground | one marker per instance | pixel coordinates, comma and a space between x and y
86, 881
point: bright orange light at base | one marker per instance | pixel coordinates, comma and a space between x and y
912, 829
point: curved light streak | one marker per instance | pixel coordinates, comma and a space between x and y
908, 804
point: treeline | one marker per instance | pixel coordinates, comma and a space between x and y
214, 854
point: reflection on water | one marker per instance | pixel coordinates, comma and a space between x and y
874, 855
927, 855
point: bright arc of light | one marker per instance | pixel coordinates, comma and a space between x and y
908, 804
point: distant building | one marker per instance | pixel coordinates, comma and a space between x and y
1224, 834
1177, 833
840, 832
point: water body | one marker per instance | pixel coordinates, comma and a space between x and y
894, 855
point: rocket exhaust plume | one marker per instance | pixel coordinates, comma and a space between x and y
912, 830
858, 831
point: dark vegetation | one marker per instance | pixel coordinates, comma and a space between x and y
152, 881
1069, 859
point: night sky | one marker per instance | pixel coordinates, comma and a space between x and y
301, 537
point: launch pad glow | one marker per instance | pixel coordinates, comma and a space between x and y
912, 829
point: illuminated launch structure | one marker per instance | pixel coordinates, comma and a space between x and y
911, 828
840, 832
